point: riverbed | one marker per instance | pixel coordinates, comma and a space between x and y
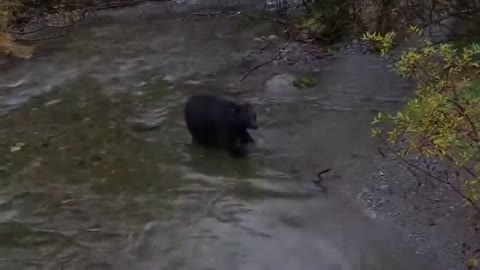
98, 172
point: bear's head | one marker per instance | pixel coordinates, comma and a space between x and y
246, 116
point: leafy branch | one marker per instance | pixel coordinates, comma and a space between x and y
441, 121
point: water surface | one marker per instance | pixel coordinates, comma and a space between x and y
84, 186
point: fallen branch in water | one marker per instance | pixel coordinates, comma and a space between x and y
210, 13
63, 34
274, 20
33, 31
267, 62
20, 35
128, 3
164, 22
76, 16
319, 181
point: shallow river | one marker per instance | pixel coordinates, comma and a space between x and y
84, 185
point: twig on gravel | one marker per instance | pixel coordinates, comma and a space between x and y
267, 62
438, 179
380, 151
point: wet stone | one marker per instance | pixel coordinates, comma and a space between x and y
145, 126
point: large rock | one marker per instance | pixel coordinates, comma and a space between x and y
281, 84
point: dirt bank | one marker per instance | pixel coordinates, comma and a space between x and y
431, 214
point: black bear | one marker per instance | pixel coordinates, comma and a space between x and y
215, 121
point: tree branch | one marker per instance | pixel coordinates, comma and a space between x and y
430, 175
267, 62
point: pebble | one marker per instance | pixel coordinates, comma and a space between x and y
52, 102
272, 37
143, 127
370, 213
383, 186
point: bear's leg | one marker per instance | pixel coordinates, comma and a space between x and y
195, 140
233, 147
201, 136
245, 137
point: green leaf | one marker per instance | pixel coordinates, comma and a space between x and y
302, 82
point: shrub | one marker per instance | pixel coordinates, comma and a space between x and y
8, 42
441, 122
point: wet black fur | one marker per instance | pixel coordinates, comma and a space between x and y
215, 121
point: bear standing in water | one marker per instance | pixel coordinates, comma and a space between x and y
218, 122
